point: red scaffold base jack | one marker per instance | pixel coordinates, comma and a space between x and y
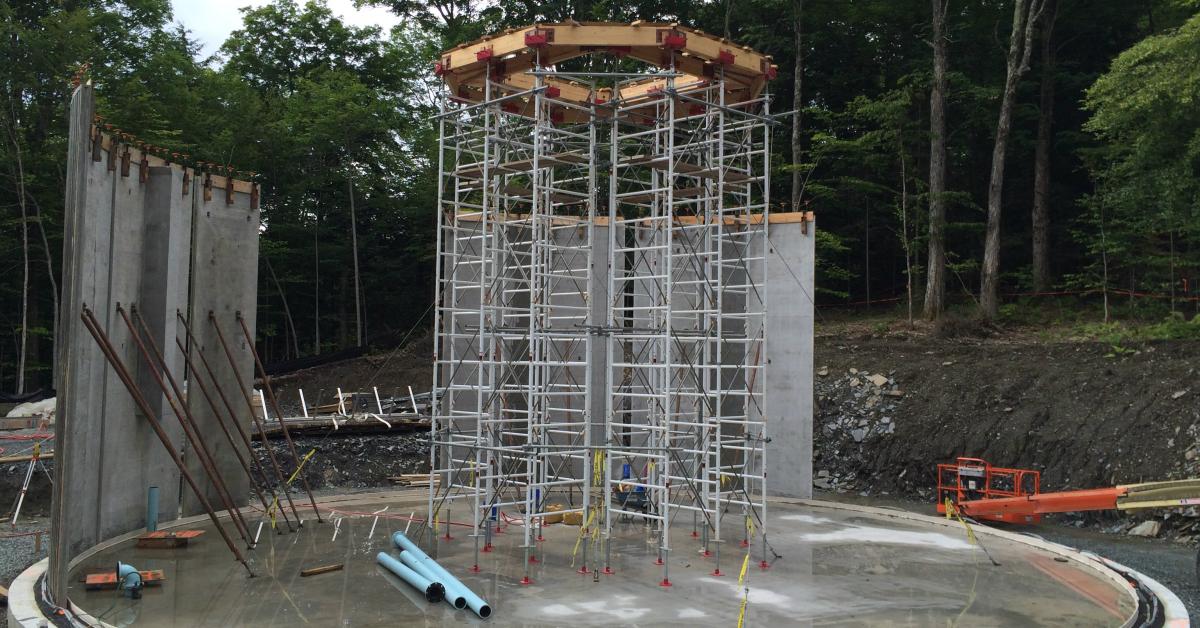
745, 543
763, 565
447, 537
695, 534
487, 548
717, 572
607, 571
540, 538
706, 553
533, 559
526, 580
584, 570
658, 561
475, 569
664, 583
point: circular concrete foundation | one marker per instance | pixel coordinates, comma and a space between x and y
827, 564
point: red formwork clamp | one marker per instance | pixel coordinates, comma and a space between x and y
553, 92
539, 37
725, 57
672, 39
769, 70
483, 54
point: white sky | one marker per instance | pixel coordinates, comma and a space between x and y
211, 21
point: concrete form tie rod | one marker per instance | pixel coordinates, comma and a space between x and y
262, 431
190, 431
237, 452
106, 347
271, 396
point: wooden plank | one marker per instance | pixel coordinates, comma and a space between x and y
108, 579
26, 458
316, 571
162, 539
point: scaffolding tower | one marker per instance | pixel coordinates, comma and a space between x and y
600, 334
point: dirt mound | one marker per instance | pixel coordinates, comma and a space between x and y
1084, 414
392, 372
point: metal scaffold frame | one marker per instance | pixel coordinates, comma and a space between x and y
600, 306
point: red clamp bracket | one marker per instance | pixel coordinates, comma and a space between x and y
672, 39
539, 37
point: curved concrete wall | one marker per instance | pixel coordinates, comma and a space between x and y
137, 231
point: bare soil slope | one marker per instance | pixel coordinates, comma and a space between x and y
1082, 413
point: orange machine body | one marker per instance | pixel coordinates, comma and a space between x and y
980, 490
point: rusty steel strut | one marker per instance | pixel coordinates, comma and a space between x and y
212, 318
93, 326
194, 376
189, 426
275, 407
262, 433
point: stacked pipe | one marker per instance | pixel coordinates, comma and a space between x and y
424, 573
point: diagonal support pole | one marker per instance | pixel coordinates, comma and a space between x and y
89, 321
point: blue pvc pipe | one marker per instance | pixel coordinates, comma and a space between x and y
474, 602
434, 591
152, 509
454, 596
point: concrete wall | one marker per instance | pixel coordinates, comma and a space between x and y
790, 283
127, 236
224, 282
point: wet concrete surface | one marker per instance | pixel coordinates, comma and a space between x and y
835, 566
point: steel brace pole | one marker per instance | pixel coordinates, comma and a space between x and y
262, 432
89, 321
266, 380
194, 376
157, 370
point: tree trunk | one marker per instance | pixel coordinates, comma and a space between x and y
317, 285
287, 311
1025, 17
358, 317
935, 282
1041, 163
798, 105
908, 278
24, 341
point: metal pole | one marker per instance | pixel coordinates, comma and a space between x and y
89, 321
262, 432
266, 380
187, 422
254, 483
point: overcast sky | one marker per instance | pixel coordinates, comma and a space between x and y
211, 21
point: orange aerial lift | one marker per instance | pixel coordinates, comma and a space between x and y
979, 490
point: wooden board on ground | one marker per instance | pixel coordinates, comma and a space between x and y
167, 539
108, 579
414, 479
313, 571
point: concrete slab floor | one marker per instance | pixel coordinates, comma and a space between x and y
836, 567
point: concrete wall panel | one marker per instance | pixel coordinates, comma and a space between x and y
224, 282
789, 382
127, 240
